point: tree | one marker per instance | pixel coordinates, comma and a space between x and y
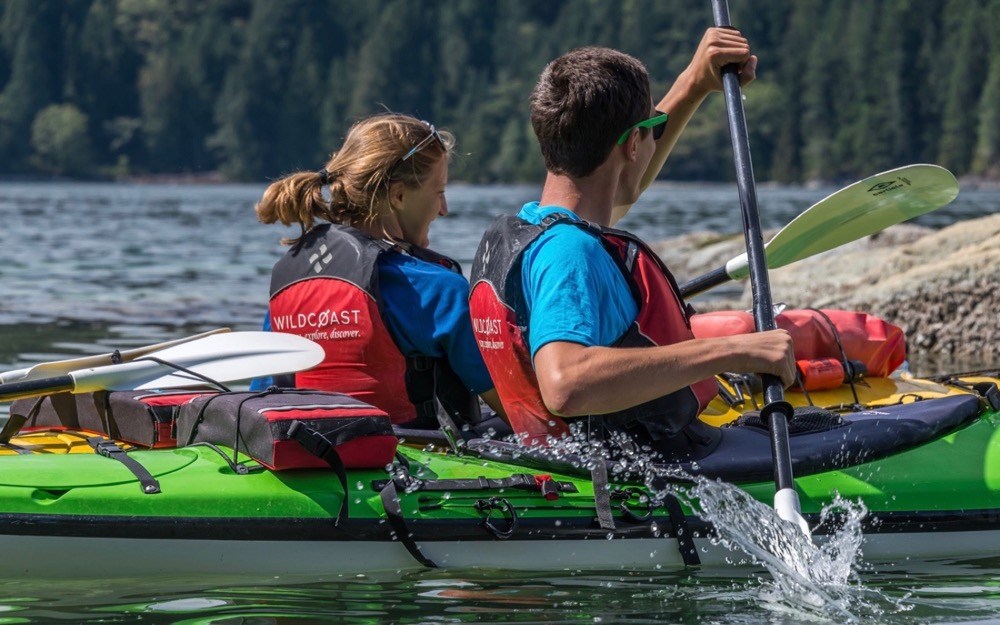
963, 87
27, 26
61, 140
987, 154
104, 84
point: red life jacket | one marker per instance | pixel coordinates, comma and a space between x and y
326, 289
500, 323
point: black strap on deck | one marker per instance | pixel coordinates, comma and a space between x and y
322, 447
110, 449
21, 451
599, 475
394, 513
681, 530
544, 484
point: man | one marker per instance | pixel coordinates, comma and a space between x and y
576, 319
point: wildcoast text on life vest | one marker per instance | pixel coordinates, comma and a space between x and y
317, 321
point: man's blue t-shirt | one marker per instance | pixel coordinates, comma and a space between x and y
573, 289
426, 308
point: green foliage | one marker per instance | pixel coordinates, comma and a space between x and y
257, 88
61, 140
986, 159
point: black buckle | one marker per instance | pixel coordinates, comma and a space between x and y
625, 495
509, 514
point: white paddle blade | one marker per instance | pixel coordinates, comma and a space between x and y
221, 357
62, 367
859, 210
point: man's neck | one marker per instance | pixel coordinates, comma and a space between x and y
590, 198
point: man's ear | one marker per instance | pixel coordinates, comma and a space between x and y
631, 145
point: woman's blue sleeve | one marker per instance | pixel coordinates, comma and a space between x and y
260, 384
427, 310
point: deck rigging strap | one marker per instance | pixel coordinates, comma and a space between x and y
19, 450
394, 513
681, 531
544, 484
599, 474
110, 449
679, 528
322, 447
16, 421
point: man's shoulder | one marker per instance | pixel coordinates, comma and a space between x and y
568, 235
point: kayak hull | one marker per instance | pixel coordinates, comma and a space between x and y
81, 515
78, 557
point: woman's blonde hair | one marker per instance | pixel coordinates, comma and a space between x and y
377, 151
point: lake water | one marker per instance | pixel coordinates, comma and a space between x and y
85, 268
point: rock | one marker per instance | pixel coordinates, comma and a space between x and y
941, 286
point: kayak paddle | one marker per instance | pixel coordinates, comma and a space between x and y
62, 367
777, 411
219, 357
856, 211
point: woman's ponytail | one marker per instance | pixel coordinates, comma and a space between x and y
296, 198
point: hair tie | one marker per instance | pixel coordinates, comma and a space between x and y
324, 176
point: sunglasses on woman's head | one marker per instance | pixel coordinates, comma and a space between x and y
425, 141
656, 123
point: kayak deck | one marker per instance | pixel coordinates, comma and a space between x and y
63, 510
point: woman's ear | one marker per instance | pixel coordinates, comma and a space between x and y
396, 191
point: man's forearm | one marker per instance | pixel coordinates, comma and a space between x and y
577, 380
681, 102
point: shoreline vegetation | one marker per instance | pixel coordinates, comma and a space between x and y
939, 286
252, 89
988, 182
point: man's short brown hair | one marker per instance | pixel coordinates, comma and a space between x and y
583, 102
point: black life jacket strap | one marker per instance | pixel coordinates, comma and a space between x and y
420, 388
441, 398
110, 449
394, 514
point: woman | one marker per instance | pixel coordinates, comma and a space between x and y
392, 315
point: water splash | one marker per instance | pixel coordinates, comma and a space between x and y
816, 577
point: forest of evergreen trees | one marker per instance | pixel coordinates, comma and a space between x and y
256, 88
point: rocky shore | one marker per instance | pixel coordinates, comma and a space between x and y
942, 287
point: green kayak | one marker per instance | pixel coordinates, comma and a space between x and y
922, 455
